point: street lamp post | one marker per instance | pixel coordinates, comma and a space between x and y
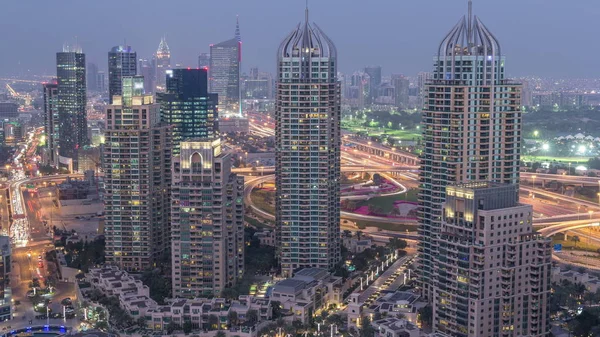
533, 184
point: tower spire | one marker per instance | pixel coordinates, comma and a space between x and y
470, 24
238, 35
306, 12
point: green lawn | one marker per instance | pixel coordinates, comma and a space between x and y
259, 198
558, 159
377, 131
568, 245
385, 226
256, 223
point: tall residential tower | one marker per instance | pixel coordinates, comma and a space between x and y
137, 178
307, 135
207, 234
471, 125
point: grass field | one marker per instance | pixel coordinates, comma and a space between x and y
387, 203
377, 131
259, 198
581, 245
558, 159
385, 226
256, 223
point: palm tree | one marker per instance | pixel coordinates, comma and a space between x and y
252, 316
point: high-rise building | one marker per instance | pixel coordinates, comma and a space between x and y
207, 230
472, 128
92, 77
137, 178
122, 61
307, 133
71, 105
374, 73
358, 91
188, 107
51, 121
401, 85
163, 63
203, 60
147, 69
9, 110
224, 72
101, 81
5, 270
491, 275
422, 78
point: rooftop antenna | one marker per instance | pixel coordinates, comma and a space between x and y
306, 12
470, 26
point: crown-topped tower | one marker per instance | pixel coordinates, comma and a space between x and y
307, 136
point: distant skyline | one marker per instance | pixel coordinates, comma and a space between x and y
548, 38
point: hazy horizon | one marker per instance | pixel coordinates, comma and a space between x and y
539, 37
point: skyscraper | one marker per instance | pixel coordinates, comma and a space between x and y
374, 73
71, 105
491, 275
137, 177
188, 107
207, 220
307, 133
51, 121
472, 128
163, 63
92, 77
203, 60
147, 69
122, 61
224, 72
401, 85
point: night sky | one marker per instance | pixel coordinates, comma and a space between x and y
550, 38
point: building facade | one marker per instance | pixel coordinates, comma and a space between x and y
122, 61
162, 61
224, 72
401, 86
188, 107
203, 60
307, 132
5, 271
137, 178
71, 105
471, 126
147, 68
92, 77
51, 121
207, 229
374, 73
492, 273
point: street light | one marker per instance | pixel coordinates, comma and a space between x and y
533, 185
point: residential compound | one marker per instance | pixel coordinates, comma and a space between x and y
471, 125
492, 274
137, 178
307, 165
201, 312
207, 229
309, 290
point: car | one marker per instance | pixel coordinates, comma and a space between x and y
66, 301
30, 293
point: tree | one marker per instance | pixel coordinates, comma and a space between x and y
213, 322
348, 233
575, 239
426, 315
252, 317
276, 309
221, 334
377, 180
230, 294
232, 317
187, 326
395, 243
141, 322
366, 329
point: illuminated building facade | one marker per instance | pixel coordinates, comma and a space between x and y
307, 132
137, 178
207, 233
